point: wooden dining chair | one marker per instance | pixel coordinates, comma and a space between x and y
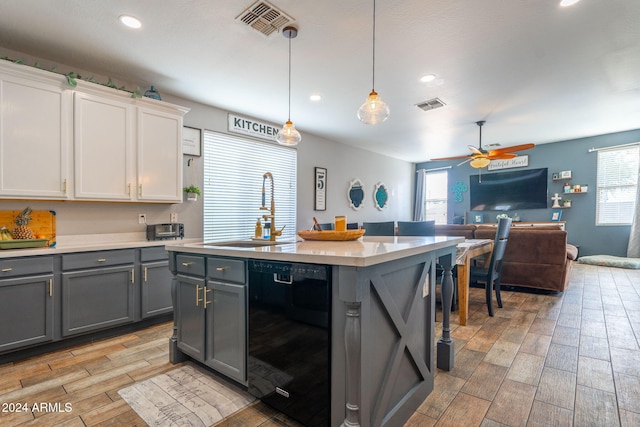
491, 275
385, 228
416, 228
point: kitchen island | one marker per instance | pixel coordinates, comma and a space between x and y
381, 328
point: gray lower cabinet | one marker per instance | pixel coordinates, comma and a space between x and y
155, 282
211, 314
99, 292
26, 302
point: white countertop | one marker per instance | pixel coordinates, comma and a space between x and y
363, 252
91, 242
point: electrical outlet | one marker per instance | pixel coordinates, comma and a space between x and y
142, 218
174, 217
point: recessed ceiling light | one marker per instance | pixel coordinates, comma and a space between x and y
428, 78
565, 3
130, 21
315, 97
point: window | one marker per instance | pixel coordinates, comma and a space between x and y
617, 183
436, 184
233, 177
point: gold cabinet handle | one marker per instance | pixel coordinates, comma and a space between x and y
129, 189
102, 260
197, 295
206, 291
140, 191
145, 275
221, 268
6, 270
64, 186
133, 278
187, 264
50, 287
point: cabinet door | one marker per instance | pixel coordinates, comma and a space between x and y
26, 305
104, 148
190, 316
97, 298
226, 333
156, 288
159, 156
34, 139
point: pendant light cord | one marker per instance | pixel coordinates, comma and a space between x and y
289, 115
373, 73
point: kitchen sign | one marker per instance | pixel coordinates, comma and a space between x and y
242, 125
516, 162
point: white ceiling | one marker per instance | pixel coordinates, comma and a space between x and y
534, 71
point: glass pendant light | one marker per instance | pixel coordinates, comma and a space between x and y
374, 110
480, 162
288, 135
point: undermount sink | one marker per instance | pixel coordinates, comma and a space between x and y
245, 243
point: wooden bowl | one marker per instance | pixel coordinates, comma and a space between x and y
331, 235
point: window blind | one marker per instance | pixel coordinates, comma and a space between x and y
436, 184
617, 181
232, 196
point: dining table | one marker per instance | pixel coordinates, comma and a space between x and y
466, 251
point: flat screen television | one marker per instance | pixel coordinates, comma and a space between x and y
508, 191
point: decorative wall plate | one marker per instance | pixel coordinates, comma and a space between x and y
355, 194
380, 196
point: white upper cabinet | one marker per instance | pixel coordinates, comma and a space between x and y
159, 156
90, 142
103, 148
34, 135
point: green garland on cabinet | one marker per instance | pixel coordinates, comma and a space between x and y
73, 77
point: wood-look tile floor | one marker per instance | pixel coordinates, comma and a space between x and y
570, 359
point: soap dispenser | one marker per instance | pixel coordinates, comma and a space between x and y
258, 232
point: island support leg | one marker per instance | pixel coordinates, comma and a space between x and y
352, 341
445, 343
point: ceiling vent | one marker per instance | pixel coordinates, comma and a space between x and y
264, 17
431, 104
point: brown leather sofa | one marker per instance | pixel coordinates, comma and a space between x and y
536, 257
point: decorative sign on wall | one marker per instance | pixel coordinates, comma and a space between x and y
380, 196
242, 125
321, 189
355, 194
191, 141
516, 162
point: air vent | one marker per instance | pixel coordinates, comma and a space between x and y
431, 104
264, 17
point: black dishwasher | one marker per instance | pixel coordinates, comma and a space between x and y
289, 338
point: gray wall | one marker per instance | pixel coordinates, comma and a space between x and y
580, 219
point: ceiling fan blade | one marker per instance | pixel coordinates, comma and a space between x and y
501, 156
474, 150
511, 149
468, 160
450, 158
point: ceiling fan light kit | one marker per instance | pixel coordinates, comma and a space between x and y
289, 135
374, 110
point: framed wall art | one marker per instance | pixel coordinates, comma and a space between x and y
380, 196
191, 141
355, 194
321, 189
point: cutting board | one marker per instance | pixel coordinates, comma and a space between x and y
42, 222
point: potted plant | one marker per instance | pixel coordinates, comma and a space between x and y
566, 203
192, 192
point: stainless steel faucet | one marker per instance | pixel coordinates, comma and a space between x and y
272, 216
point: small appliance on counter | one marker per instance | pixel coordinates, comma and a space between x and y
165, 231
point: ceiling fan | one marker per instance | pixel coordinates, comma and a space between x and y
480, 158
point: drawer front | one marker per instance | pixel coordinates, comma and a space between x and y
190, 264
13, 267
226, 269
98, 259
155, 253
